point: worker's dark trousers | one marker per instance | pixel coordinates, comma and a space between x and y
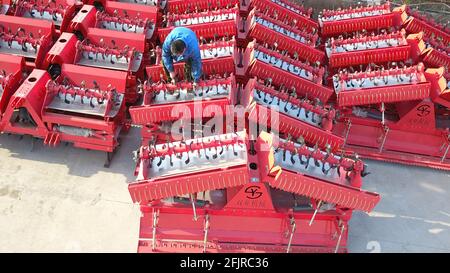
187, 71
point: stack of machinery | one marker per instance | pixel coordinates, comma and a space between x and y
204, 185
264, 153
390, 84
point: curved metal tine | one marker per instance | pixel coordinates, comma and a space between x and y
65, 98
188, 159
292, 157
285, 106
234, 150
161, 158
339, 170
221, 151
54, 16
258, 92
91, 103
201, 92
89, 55
177, 94
24, 46
265, 97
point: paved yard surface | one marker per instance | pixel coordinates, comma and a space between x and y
63, 200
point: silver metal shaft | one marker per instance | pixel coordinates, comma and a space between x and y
205, 238
339, 239
293, 228
193, 207
315, 212
155, 220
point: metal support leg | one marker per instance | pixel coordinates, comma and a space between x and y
109, 156
447, 149
155, 221
293, 228
244, 21
206, 229
193, 206
445, 153
349, 124
340, 237
385, 133
315, 212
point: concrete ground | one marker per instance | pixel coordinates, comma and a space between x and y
63, 200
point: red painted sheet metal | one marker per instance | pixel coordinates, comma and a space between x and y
334, 28
263, 71
436, 58
387, 94
382, 55
405, 158
142, 115
296, 128
255, 231
205, 30
266, 35
303, 16
416, 25
145, 191
65, 9
164, 246
343, 195
132, 40
39, 31
182, 6
29, 95
12, 67
218, 66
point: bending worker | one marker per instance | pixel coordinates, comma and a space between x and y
182, 45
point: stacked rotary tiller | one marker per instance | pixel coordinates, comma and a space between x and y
388, 70
80, 66
244, 191
263, 155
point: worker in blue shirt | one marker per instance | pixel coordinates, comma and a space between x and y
182, 45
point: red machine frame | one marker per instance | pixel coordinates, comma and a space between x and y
254, 67
105, 43
254, 30
288, 125
160, 4
219, 65
168, 226
150, 115
182, 6
118, 13
35, 108
32, 32
374, 22
418, 23
12, 74
65, 9
285, 11
411, 48
414, 137
207, 30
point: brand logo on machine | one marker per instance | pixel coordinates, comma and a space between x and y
253, 192
423, 110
